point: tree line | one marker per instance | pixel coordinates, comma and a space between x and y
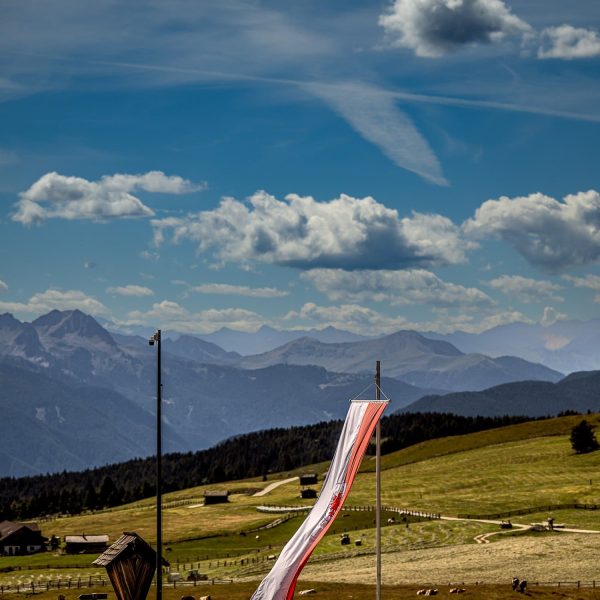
243, 456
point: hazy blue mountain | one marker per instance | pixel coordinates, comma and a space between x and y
99, 387
50, 425
266, 338
566, 346
579, 392
409, 356
194, 348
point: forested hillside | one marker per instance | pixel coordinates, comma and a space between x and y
248, 455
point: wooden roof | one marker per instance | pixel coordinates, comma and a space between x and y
86, 539
130, 563
216, 493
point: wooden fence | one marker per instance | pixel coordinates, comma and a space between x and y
530, 510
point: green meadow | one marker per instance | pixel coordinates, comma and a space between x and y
509, 469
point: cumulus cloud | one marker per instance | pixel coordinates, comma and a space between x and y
3, 286
434, 27
238, 290
414, 286
52, 299
373, 113
56, 196
525, 289
300, 232
568, 42
351, 317
130, 290
177, 318
550, 234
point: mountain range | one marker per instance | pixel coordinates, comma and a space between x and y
408, 356
72, 393
577, 392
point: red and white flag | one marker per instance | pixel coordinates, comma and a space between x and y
360, 422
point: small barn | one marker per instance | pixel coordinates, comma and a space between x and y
21, 538
216, 497
308, 493
85, 544
130, 563
309, 479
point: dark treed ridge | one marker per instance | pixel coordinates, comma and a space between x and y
248, 455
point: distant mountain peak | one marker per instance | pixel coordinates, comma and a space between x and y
58, 324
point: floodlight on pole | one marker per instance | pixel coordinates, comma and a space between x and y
156, 338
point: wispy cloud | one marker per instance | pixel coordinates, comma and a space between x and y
374, 114
3, 286
130, 290
238, 290
525, 289
414, 286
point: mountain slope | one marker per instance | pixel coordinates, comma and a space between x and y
565, 345
578, 392
48, 425
409, 356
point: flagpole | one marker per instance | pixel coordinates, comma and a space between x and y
378, 485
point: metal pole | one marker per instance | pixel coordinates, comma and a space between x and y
378, 485
159, 587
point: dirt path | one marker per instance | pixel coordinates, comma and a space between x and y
274, 485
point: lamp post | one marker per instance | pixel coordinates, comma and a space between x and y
156, 339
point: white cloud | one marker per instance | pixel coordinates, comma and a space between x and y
550, 234
365, 321
173, 316
434, 27
56, 196
238, 290
149, 255
525, 289
374, 115
591, 282
343, 233
52, 299
473, 323
415, 286
551, 316
351, 317
568, 42
130, 290
3, 286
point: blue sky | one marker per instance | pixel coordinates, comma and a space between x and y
428, 164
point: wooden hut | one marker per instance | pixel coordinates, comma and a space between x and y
308, 479
216, 496
130, 563
85, 544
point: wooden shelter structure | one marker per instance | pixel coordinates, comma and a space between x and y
216, 496
130, 563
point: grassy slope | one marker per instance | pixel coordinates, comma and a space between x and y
531, 464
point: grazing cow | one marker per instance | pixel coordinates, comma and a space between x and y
515, 583
523, 586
